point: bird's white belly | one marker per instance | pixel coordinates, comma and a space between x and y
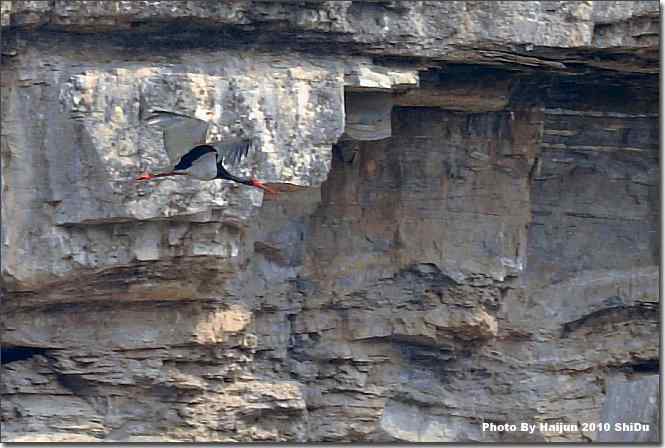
204, 168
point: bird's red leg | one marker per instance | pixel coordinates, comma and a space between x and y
148, 176
259, 184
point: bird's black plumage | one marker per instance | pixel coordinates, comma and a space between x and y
189, 158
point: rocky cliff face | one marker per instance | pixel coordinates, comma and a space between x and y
494, 259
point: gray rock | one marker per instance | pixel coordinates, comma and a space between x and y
480, 245
632, 411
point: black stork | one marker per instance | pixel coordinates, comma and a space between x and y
185, 143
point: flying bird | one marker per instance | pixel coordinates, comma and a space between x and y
185, 144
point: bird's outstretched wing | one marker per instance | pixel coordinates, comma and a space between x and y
181, 133
232, 151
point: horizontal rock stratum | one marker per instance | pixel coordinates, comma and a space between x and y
467, 230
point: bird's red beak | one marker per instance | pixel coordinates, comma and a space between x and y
258, 184
145, 176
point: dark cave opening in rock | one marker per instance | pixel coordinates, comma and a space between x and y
11, 354
647, 366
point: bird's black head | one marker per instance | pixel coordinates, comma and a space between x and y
233, 151
223, 174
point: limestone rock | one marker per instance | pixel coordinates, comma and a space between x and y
480, 244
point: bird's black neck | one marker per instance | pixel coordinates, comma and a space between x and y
223, 174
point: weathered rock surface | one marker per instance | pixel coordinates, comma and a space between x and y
629, 404
468, 229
